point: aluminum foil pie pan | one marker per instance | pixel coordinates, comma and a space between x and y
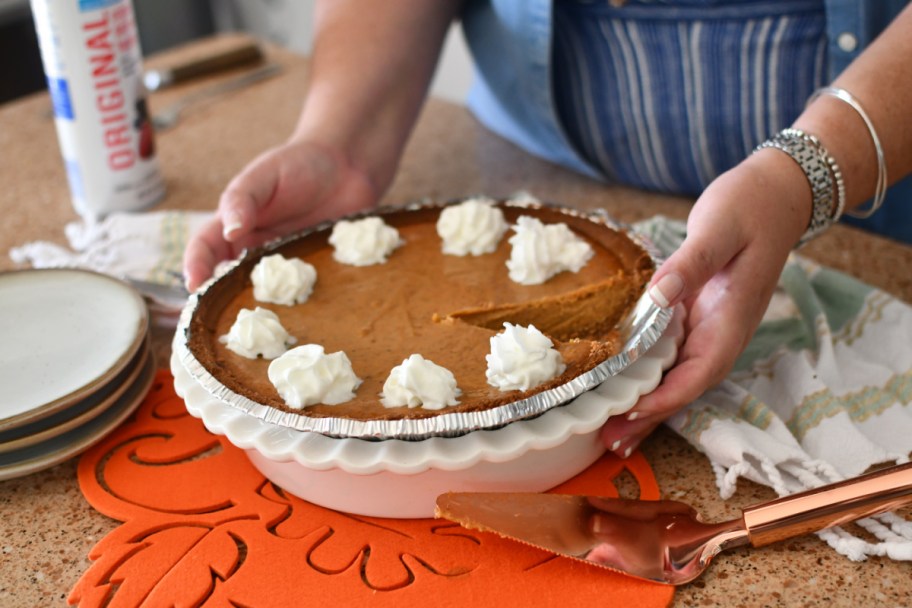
640, 330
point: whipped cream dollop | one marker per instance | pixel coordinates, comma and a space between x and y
256, 333
540, 251
522, 358
363, 242
474, 227
420, 382
306, 375
279, 280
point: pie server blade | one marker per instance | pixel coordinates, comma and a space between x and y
666, 541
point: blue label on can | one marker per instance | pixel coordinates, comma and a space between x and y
91, 5
74, 176
60, 97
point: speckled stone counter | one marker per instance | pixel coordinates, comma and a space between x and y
46, 526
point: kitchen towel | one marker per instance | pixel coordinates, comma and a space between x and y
821, 394
146, 246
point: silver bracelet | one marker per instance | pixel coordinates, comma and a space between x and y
880, 190
835, 171
822, 173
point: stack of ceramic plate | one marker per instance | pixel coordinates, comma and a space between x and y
75, 361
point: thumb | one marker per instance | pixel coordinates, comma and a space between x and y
703, 254
237, 211
250, 191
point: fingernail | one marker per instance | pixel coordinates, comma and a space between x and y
633, 416
596, 524
628, 452
667, 289
231, 222
615, 445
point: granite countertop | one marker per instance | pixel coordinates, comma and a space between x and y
48, 528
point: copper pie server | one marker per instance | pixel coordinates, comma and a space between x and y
664, 540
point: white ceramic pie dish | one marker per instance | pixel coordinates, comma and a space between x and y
401, 478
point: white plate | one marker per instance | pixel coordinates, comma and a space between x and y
65, 332
80, 412
54, 451
402, 479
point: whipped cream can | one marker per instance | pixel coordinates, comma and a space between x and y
93, 63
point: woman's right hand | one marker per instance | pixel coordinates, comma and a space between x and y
283, 190
362, 102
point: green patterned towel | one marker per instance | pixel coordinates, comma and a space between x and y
821, 393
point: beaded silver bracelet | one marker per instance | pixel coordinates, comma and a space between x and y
880, 190
835, 172
822, 173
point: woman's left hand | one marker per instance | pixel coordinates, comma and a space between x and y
739, 235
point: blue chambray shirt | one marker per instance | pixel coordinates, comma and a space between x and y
511, 42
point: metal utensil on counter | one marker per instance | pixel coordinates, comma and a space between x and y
170, 115
165, 302
664, 540
240, 51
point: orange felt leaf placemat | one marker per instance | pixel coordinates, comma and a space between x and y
202, 527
